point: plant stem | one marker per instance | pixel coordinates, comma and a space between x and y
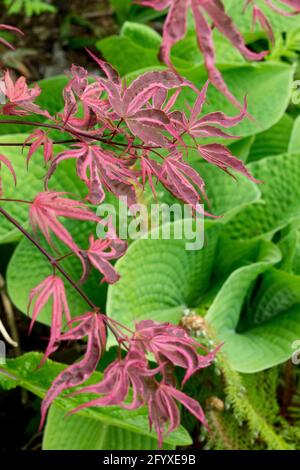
49, 257
75, 132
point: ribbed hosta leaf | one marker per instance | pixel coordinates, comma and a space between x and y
258, 332
273, 141
23, 372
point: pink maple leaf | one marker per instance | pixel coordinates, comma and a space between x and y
12, 29
119, 377
44, 213
92, 326
79, 90
20, 97
101, 252
182, 181
171, 343
163, 410
37, 139
128, 103
7, 163
175, 28
221, 156
50, 288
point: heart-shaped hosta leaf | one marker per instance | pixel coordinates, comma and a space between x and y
23, 372
258, 328
280, 198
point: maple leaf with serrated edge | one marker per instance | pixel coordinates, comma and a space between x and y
101, 251
175, 28
50, 288
7, 163
183, 181
163, 410
37, 139
99, 168
92, 326
20, 97
128, 103
45, 210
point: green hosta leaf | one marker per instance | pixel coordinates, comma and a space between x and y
253, 80
82, 433
29, 183
51, 99
167, 281
23, 372
251, 345
280, 200
273, 141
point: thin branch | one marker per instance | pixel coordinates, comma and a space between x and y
49, 257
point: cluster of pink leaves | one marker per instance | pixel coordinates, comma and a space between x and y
121, 137
210, 14
133, 125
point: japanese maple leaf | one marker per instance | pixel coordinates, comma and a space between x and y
205, 126
50, 288
175, 28
7, 163
172, 344
128, 103
220, 156
100, 169
79, 90
44, 213
119, 377
20, 97
12, 29
92, 326
37, 139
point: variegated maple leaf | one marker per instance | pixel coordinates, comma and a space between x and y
175, 28
92, 326
20, 98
